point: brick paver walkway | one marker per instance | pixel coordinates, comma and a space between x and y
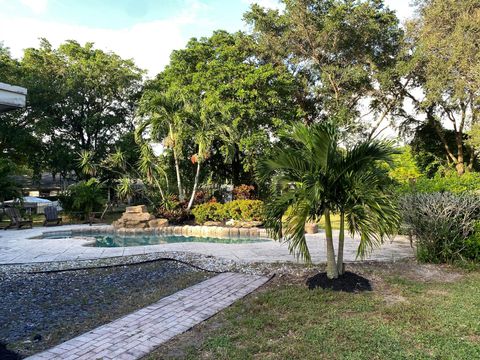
138, 333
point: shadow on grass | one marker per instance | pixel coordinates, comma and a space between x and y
6, 354
348, 282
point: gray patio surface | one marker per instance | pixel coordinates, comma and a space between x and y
18, 247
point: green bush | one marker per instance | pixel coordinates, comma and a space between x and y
443, 225
243, 210
207, 212
448, 182
83, 198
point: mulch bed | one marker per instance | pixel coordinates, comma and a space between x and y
40, 310
348, 282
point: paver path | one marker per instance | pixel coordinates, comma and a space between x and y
16, 247
138, 333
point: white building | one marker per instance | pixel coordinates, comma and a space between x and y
12, 97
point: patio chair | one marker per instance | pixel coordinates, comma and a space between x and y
16, 219
51, 216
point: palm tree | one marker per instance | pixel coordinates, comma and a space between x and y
163, 113
312, 176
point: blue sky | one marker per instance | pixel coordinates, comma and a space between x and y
145, 30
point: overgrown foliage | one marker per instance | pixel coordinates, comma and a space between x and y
442, 225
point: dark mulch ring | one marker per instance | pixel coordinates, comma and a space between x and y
348, 282
38, 311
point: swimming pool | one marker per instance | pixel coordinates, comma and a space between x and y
118, 240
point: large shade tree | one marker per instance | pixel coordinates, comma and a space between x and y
443, 74
80, 99
312, 176
342, 52
230, 104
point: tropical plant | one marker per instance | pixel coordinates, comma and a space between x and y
162, 114
443, 225
83, 197
312, 176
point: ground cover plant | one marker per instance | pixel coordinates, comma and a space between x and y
413, 312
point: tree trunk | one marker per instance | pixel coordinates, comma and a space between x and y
332, 272
460, 158
341, 241
195, 185
181, 195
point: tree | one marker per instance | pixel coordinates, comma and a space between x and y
163, 115
250, 98
8, 187
80, 98
313, 177
342, 51
445, 65
17, 133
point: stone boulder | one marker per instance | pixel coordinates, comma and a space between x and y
138, 217
157, 223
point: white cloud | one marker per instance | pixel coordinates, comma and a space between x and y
37, 6
148, 43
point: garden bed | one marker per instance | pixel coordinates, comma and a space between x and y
44, 309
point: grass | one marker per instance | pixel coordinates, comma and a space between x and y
334, 218
405, 317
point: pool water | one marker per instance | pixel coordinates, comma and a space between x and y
116, 240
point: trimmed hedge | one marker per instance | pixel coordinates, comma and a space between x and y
244, 210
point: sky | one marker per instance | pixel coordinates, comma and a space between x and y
144, 30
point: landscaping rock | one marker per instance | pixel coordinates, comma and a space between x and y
156, 223
138, 217
213, 223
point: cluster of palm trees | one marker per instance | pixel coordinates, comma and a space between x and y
312, 176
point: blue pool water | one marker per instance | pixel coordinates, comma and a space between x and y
116, 240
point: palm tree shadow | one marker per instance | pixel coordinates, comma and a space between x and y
348, 282
6, 354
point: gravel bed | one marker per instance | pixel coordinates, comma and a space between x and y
203, 262
39, 310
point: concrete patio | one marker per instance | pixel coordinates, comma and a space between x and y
20, 247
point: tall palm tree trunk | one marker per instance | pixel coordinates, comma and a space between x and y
195, 185
341, 242
181, 194
332, 271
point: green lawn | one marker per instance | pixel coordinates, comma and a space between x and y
405, 317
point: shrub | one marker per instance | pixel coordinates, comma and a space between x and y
448, 182
173, 210
84, 197
207, 212
442, 224
243, 210
243, 192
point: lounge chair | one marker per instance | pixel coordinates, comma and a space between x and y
16, 219
51, 216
